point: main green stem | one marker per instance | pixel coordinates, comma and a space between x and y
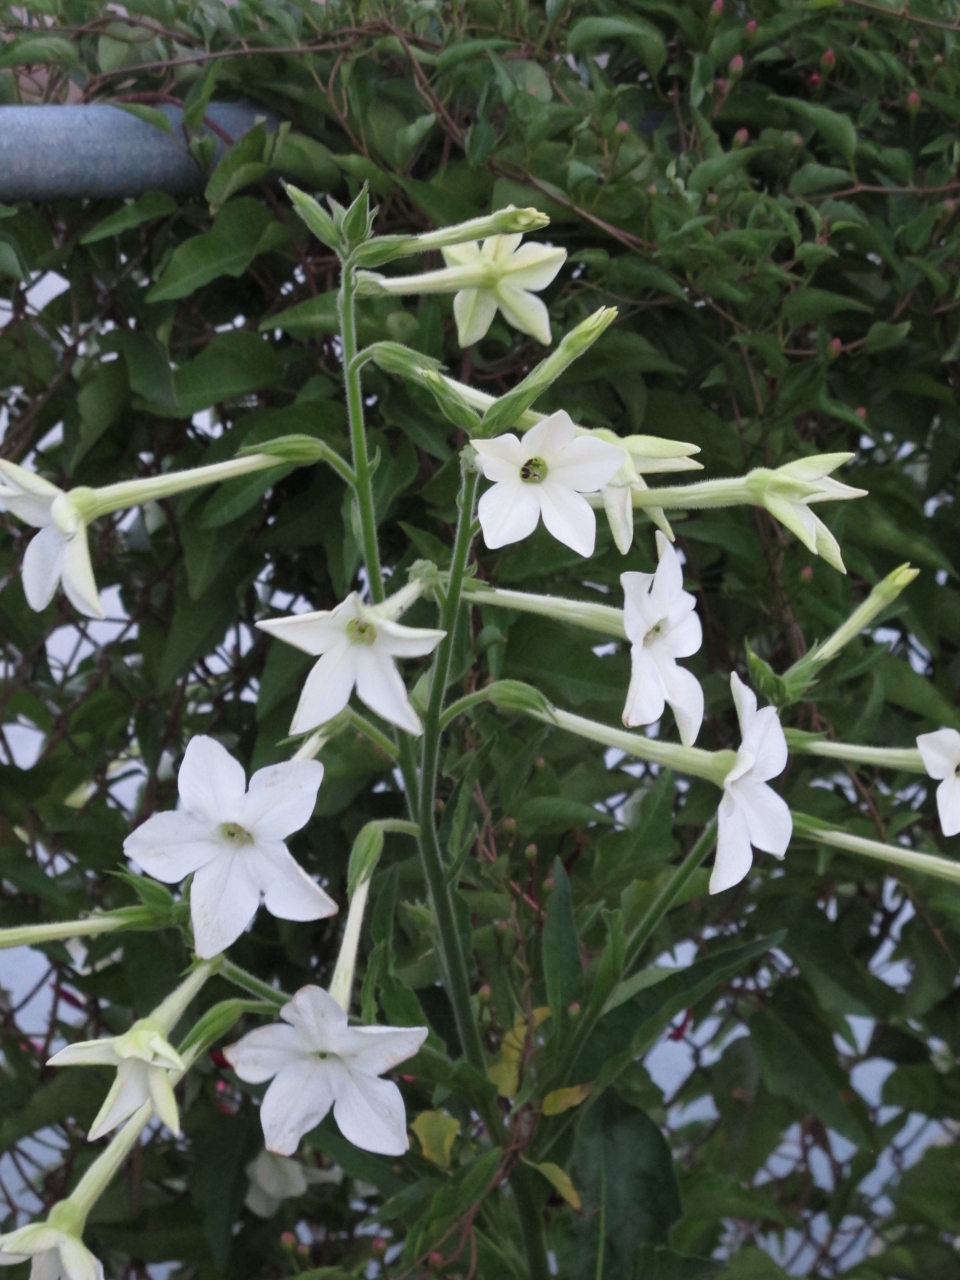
363, 490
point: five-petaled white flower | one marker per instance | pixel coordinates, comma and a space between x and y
662, 625
144, 1061
54, 1253
274, 1179
234, 840
788, 492
940, 753
357, 644
509, 274
544, 474
59, 552
317, 1061
751, 813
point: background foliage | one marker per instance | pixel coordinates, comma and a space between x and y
781, 241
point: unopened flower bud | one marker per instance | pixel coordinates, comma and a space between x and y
814, 80
530, 852
509, 825
863, 25
740, 139
938, 59
712, 199
652, 189
949, 206
303, 1251
484, 993
573, 1009
913, 102
861, 413
720, 87
828, 61
434, 1259
288, 1240
914, 44
796, 142
378, 1246
806, 573
548, 884
622, 128
735, 66
751, 27
716, 9
835, 348
539, 762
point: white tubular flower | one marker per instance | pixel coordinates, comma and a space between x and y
751, 813
357, 645
317, 1061
59, 552
788, 492
234, 840
144, 1061
274, 1179
544, 474
662, 625
940, 753
511, 274
55, 1253
645, 454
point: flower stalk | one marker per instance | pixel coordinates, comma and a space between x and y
904, 759
894, 855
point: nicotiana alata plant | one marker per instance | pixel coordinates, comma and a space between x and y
321, 1051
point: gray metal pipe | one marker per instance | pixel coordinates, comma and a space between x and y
98, 152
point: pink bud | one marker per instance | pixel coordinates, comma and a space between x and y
378, 1246
435, 1260
949, 205
751, 27
716, 9
484, 991
914, 44
815, 80
938, 59
622, 128
806, 573
828, 61
652, 189
712, 200
913, 101
740, 139
861, 413
835, 347
735, 66
288, 1240
863, 25
573, 1009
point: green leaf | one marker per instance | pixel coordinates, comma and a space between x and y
307, 319
810, 178
837, 130
636, 33
881, 336
562, 967
711, 173
231, 365
241, 230
222, 1146
149, 115
246, 162
147, 208
806, 305
623, 1170
32, 51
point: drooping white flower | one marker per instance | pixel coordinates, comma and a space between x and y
59, 552
509, 276
234, 840
357, 645
544, 474
317, 1061
940, 752
788, 492
54, 1253
751, 813
644, 454
274, 1179
144, 1061
662, 625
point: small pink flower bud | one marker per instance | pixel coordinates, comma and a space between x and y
652, 189
814, 80
863, 25
938, 59
861, 413
530, 852
716, 9
288, 1240
713, 199
378, 1246
573, 1009
751, 27
435, 1260
622, 128
828, 60
914, 44
740, 139
806, 573
796, 142
949, 206
835, 348
735, 66
509, 825
484, 992
913, 102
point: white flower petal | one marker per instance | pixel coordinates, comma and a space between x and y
940, 752
681, 639
317, 1016
502, 457
88, 1053
645, 697
281, 799
223, 901
535, 266
618, 504
473, 310
79, 584
948, 806
638, 615
745, 700
171, 845
509, 512
163, 1099
288, 892
767, 816
460, 255
685, 696
262, 1053
42, 567
78, 1262
129, 1091
568, 516
374, 1050
296, 1102
211, 783
47, 1266
379, 686
501, 249
586, 464
369, 1112
765, 741
734, 855
327, 688
405, 642
550, 436
525, 311
315, 633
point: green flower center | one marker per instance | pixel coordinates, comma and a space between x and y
533, 471
235, 834
654, 631
361, 632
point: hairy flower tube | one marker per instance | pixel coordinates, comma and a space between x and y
940, 752
233, 839
751, 814
357, 646
544, 474
316, 1061
498, 273
662, 625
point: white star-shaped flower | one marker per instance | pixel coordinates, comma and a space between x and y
662, 625
59, 552
509, 274
144, 1061
234, 840
54, 1253
274, 1179
789, 491
940, 753
357, 645
544, 474
751, 813
317, 1061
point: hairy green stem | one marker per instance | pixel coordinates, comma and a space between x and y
363, 489
247, 982
29, 935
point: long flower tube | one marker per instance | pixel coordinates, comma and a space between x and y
581, 613
32, 935
905, 759
894, 855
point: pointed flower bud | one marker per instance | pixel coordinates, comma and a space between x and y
788, 492
504, 222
